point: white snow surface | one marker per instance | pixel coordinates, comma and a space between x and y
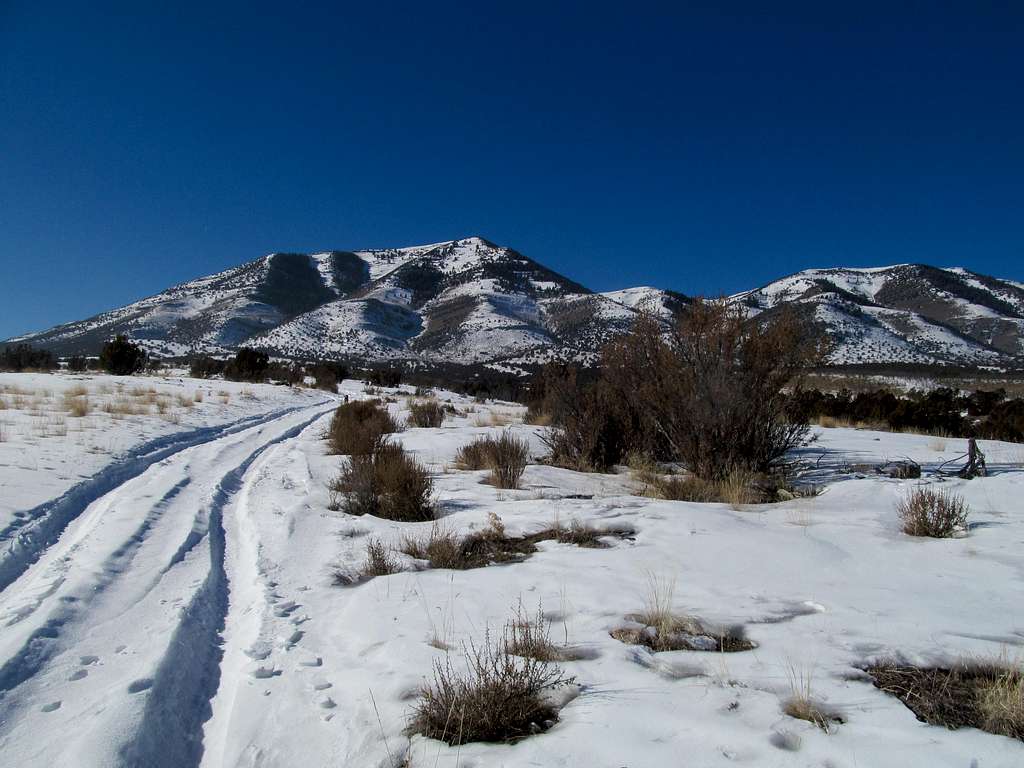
186, 615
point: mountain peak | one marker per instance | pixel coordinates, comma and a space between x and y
469, 300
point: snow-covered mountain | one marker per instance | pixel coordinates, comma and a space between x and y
470, 301
908, 313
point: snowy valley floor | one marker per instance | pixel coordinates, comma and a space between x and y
168, 599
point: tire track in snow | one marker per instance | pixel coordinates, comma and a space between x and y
34, 530
178, 703
43, 643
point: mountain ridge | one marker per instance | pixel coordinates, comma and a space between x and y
470, 301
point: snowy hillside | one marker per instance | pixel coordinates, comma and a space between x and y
470, 301
169, 597
908, 313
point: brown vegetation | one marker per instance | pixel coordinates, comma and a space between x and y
357, 428
938, 514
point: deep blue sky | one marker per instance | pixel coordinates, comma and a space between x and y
702, 147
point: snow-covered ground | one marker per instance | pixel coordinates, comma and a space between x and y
186, 615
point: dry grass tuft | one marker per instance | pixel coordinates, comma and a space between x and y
441, 547
491, 545
76, 402
380, 561
938, 514
802, 704
501, 697
506, 456
985, 695
429, 413
662, 629
1001, 703
494, 419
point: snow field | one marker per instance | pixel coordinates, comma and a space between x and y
187, 615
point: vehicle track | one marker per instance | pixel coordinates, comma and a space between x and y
130, 541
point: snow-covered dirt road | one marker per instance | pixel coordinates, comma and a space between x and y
113, 634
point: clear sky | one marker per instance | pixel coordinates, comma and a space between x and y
704, 147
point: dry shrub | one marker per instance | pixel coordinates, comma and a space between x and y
581, 535
939, 514
445, 549
426, 414
357, 428
989, 696
380, 561
737, 489
530, 636
707, 390
501, 697
537, 417
506, 456
441, 547
386, 483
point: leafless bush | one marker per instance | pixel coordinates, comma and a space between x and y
386, 483
506, 456
939, 514
500, 697
357, 428
707, 391
426, 414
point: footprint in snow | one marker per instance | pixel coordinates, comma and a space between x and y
87, 661
285, 609
79, 675
140, 685
53, 706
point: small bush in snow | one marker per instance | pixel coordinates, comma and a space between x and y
357, 428
426, 414
500, 697
386, 483
939, 514
506, 456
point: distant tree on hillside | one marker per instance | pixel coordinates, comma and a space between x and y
25, 357
247, 365
121, 357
